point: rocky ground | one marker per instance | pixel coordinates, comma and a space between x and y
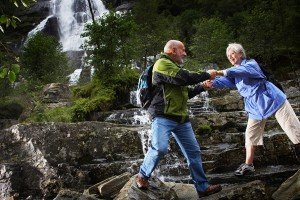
99, 159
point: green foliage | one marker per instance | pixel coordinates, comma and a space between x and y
44, 114
268, 33
43, 61
91, 98
267, 29
122, 84
204, 129
95, 96
11, 20
154, 29
10, 72
111, 44
185, 23
210, 41
8, 75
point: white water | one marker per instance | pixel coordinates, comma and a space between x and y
74, 77
205, 98
72, 15
71, 23
39, 27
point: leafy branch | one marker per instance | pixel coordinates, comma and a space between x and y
7, 20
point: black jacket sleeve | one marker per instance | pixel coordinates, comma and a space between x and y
183, 77
195, 91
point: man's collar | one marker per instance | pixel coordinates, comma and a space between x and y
164, 55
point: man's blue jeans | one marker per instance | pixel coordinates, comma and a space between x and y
162, 128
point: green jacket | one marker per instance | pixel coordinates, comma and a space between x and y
172, 91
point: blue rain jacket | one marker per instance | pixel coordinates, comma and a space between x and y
261, 97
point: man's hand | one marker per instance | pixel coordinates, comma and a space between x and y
207, 84
212, 73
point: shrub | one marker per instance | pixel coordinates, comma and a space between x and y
204, 129
43, 61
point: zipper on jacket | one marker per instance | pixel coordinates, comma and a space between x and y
168, 106
164, 96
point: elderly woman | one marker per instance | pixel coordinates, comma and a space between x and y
261, 98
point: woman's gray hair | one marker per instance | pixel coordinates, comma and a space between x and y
237, 48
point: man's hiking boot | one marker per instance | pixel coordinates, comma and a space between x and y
141, 183
244, 169
210, 190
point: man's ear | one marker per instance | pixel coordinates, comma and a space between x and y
173, 51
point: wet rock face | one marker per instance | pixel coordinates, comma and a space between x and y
229, 102
65, 155
51, 27
10, 180
81, 143
41, 7
75, 59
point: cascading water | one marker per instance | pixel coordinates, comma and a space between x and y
200, 104
173, 166
72, 15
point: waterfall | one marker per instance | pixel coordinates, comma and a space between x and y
206, 106
71, 15
200, 104
74, 77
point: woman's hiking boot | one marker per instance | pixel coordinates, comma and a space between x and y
244, 169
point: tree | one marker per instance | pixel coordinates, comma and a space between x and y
154, 29
210, 41
269, 32
111, 44
43, 61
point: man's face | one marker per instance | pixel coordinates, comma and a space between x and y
179, 54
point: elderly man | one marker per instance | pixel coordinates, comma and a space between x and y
169, 114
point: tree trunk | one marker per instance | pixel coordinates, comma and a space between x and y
91, 10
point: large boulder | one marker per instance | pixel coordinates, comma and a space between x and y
290, 189
157, 190
56, 92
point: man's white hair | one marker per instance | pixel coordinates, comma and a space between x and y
171, 44
237, 48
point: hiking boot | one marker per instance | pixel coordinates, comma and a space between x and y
141, 183
244, 169
210, 190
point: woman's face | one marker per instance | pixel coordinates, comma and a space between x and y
234, 58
